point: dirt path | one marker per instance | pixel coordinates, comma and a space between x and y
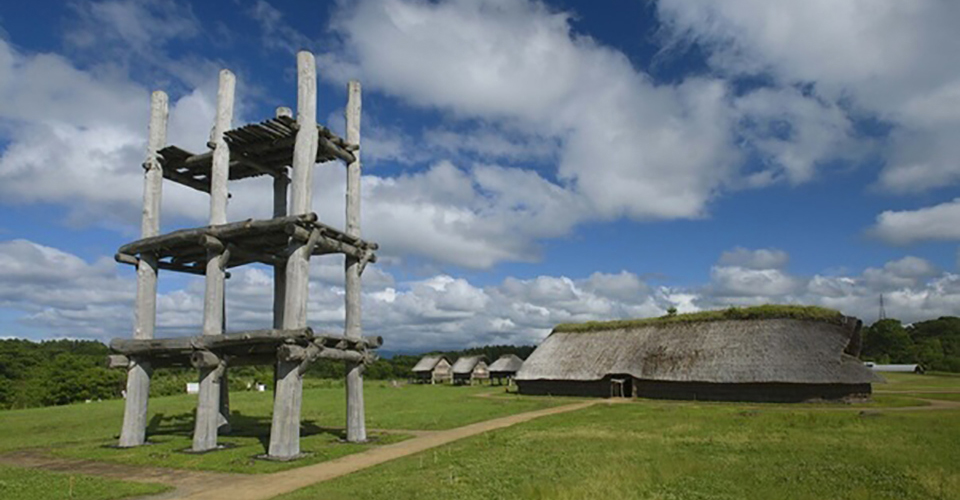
269, 486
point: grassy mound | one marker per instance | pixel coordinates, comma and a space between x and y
769, 311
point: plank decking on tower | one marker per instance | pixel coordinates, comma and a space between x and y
264, 148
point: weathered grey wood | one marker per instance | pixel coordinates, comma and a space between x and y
223, 232
133, 432
204, 359
285, 427
135, 261
208, 420
209, 416
281, 183
210, 342
356, 421
305, 149
326, 244
186, 180
118, 361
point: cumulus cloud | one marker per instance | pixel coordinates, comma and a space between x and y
938, 222
84, 299
627, 146
889, 60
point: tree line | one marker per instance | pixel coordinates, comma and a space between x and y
934, 344
57, 372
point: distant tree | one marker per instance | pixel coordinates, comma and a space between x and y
888, 337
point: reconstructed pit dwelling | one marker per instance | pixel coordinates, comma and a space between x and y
286, 243
775, 354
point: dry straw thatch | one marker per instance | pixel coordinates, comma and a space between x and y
766, 344
508, 363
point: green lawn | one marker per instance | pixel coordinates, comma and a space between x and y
918, 383
947, 396
88, 430
31, 484
685, 450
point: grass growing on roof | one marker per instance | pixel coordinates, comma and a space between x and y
769, 311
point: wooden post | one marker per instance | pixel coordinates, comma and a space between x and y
280, 185
356, 424
134, 431
285, 426
209, 417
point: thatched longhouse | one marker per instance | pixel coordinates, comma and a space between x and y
767, 353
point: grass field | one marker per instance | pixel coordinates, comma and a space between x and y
639, 449
88, 431
23, 484
684, 450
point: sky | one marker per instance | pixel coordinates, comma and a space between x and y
524, 163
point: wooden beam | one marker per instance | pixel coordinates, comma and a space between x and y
187, 180
148, 347
222, 232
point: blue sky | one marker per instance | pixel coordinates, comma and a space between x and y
525, 163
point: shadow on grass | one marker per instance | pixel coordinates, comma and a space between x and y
181, 424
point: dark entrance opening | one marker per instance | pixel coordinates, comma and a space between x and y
621, 386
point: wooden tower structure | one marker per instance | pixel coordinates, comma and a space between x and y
285, 148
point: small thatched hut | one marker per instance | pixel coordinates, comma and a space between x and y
766, 353
432, 369
505, 368
470, 368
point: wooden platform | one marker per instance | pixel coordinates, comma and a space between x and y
265, 241
254, 347
264, 148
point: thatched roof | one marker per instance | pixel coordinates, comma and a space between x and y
466, 364
730, 351
507, 363
428, 363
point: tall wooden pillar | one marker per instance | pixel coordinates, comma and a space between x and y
281, 183
134, 431
285, 427
356, 424
209, 418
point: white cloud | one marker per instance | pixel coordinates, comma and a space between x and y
764, 258
936, 223
58, 294
893, 60
627, 146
